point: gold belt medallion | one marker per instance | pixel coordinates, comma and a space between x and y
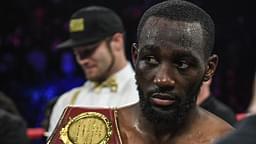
87, 128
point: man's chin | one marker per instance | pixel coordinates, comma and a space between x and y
160, 115
164, 111
93, 77
163, 121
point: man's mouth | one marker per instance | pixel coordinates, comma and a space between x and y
162, 99
89, 66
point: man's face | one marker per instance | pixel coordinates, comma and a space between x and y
169, 69
95, 60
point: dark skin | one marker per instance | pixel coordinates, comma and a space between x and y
170, 66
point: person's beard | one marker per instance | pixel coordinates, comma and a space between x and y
170, 118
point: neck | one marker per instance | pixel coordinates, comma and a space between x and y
116, 68
120, 63
161, 136
136, 128
202, 96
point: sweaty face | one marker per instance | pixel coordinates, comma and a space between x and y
169, 70
95, 60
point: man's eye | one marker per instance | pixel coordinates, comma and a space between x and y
83, 54
151, 60
182, 65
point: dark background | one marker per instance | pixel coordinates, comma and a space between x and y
32, 71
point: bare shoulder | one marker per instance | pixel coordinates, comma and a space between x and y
212, 126
128, 111
217, 124
204, 128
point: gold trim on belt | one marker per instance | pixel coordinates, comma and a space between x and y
87, 128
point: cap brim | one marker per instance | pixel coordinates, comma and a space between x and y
71, 43
65, 44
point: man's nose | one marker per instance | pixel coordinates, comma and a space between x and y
83, 61
164, 77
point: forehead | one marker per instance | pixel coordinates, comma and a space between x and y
161, 31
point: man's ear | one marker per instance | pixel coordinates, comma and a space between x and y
117, 41
211, 67
135, 52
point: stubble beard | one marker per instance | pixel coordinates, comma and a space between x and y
166, 121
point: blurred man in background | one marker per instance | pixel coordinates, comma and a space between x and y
97, 37
13, 127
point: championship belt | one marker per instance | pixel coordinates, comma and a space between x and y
79, 125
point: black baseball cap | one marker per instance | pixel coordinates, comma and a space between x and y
90, 25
